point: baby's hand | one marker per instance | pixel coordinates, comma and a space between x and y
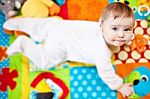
126, 89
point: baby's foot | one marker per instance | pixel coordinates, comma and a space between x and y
16, 46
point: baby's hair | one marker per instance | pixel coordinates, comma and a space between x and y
117, 9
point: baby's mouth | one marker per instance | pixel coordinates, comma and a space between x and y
120, 40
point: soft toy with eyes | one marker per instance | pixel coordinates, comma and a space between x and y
140, 79
10, 8
41, 8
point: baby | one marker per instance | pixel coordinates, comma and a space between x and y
82, 41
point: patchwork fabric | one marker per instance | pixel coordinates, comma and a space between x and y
80, 79
4, 42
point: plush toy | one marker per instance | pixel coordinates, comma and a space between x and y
40, 8
140, 8
138, 43
10, 8
140, 79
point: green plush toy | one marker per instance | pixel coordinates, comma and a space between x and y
134, 4
139, 78
130, 79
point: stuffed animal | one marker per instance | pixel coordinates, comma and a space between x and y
10, 8
139, 43
40, 8
140, 79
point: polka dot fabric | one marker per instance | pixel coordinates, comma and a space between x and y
124, 54
4, 42
86, 84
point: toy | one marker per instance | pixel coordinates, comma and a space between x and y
10, 8
139, 78
140, 8
40, 8
139, 43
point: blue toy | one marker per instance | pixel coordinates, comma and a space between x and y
136, 7
140, 79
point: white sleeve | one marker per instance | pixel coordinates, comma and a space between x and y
107, 73
104, 65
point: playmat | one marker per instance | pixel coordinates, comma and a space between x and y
73, 80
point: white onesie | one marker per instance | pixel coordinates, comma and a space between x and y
64, 40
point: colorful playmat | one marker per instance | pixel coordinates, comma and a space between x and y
73, 80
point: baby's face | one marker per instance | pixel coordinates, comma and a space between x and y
117, 31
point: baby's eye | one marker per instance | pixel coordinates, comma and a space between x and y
115, 29
127, 29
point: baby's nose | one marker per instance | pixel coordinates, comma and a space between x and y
121, 34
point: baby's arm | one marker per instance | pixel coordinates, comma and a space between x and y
108, 75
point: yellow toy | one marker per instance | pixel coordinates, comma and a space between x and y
39, 8
36, 9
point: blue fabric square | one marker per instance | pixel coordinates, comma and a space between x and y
86, 84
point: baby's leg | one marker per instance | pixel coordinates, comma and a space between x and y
34, 52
